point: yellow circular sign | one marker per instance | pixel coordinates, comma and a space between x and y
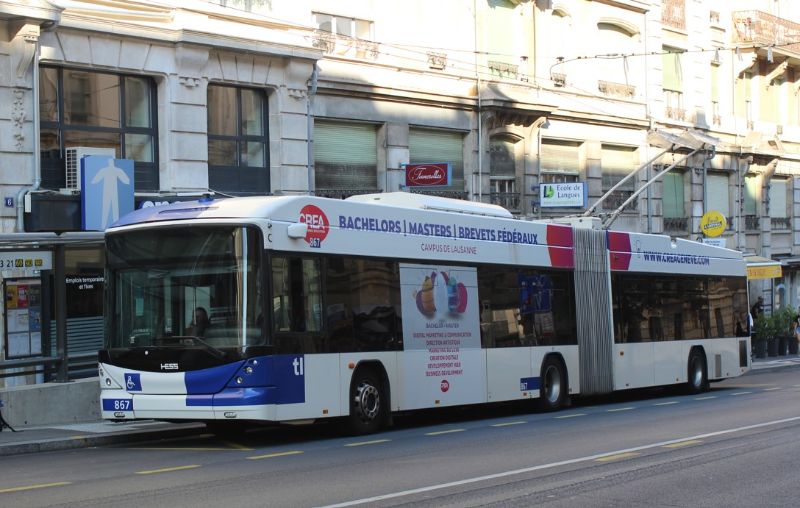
713, 223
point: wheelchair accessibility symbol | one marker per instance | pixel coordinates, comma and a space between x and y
133, 382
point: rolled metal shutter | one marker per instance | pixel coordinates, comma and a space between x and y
345, 155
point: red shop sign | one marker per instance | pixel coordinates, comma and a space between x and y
424, 175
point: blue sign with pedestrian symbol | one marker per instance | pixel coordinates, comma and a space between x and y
106, 191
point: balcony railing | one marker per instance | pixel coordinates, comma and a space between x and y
329, 43
676, 113
760, 28
504, 70
343, 193
673, 13
508, 200
442, 193
780, 223
615, 200
676, 224
751, 223
323, 40
616, 89
437, 60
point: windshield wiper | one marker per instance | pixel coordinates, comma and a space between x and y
193, 340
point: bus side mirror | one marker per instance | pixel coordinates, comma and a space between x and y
297, 230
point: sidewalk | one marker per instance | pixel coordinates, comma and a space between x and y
32, 439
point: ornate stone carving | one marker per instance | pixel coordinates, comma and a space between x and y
18, 117
191, 61
23, 47
188, 81
296, 93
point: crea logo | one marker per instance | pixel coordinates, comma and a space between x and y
318, 225
445, 385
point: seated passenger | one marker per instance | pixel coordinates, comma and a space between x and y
200, 325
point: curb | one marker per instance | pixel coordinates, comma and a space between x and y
70, 443
772, 368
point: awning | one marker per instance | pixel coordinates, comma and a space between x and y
762, 268
790, 262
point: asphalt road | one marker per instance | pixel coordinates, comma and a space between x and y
736, 445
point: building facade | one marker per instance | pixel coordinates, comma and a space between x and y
515, 97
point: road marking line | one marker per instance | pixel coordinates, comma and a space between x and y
571, 416
273, 455
706, 397
506, 424
179, 449
618, 456
740, 393
364, 443
78, 438
683, 443
168, 469
620, 409
513, 472
666, 403
237, 446
34, 487
444, 432
772, 389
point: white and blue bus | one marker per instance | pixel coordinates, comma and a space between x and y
298, 308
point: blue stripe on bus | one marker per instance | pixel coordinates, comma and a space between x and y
211, 380
278, 379
235, 397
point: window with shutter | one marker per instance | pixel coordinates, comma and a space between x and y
429, 146
778, 203
718, 194
618, 162
345, 159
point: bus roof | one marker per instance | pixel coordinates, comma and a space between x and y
414, 226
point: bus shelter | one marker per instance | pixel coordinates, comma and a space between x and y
52, 291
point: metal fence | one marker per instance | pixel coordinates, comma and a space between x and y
84, 339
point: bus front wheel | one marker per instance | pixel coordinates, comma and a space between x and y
698, 375
552, 385
366, 403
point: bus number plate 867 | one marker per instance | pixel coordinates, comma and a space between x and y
117, 404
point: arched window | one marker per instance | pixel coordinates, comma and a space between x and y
618, 39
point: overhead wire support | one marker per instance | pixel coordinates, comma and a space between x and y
607, 221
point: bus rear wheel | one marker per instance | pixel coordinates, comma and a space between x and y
553, 385
367, 404
697, 381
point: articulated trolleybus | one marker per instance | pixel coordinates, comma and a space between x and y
297, 308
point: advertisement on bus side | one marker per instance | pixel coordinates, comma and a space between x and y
441, 330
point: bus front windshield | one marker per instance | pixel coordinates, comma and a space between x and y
190, 286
